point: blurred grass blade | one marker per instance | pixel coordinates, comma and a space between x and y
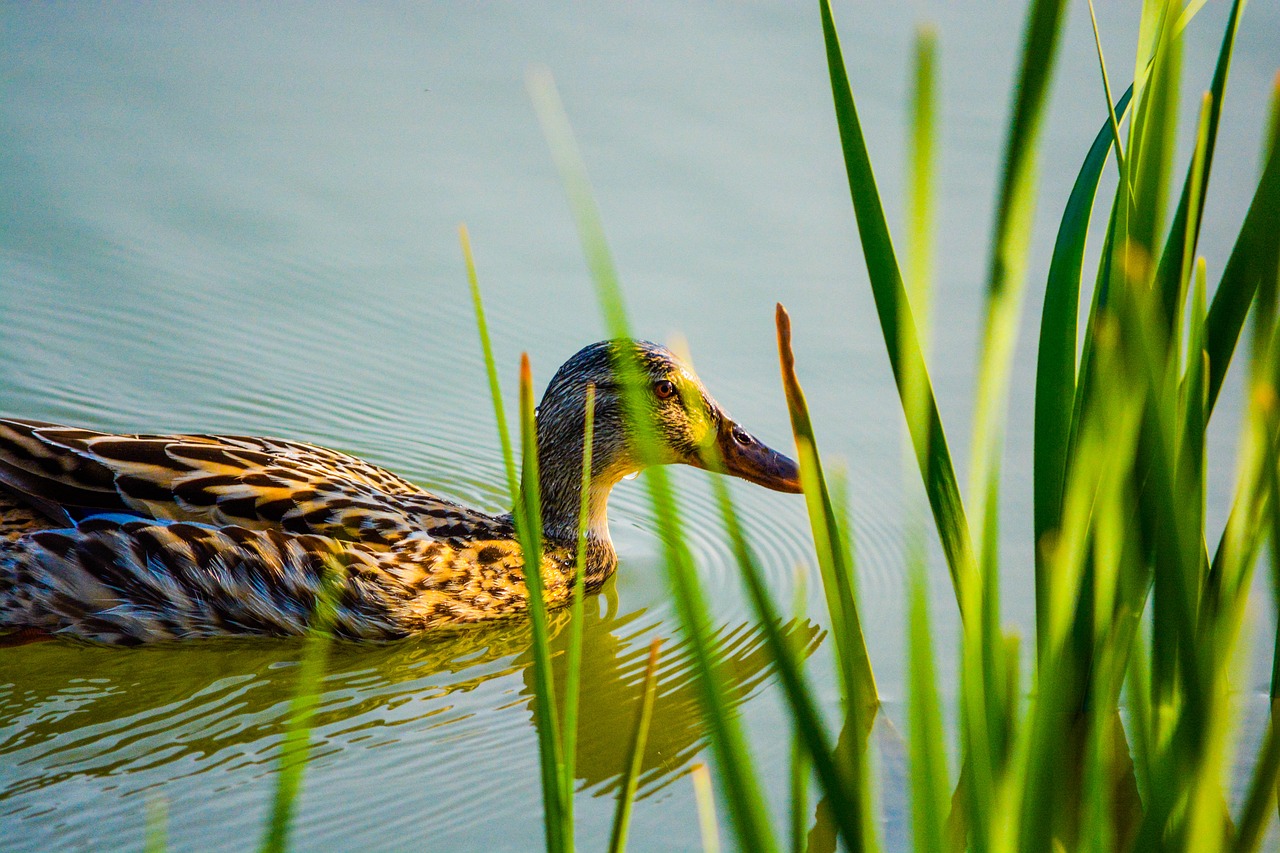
930, 781
733, 760
1015, 210
635, 754
801, 765
157, 840
841, 783
297, 736
706, 801
921, 218
573, 656
1259, 240
896, 323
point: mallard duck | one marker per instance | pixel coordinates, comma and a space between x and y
138, 538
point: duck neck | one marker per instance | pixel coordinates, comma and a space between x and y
561, 497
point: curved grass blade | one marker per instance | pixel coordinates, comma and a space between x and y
635, 754
1056, 352
897, 325
491, 367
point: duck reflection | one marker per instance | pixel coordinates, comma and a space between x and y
71, 711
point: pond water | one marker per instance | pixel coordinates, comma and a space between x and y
243, 219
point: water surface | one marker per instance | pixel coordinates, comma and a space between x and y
243, 219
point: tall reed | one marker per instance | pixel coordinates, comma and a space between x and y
1121, 736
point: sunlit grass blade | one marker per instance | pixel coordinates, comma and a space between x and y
1184, 231
635, 753
1113, 112
1152, 136
896, 323
297, 737
706, 801
857, 679
528, 518
742, 790
491, 366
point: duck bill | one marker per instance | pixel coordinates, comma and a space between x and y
743, 455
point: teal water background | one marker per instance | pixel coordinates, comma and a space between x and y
242, 218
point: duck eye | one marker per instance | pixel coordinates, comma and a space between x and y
665, 389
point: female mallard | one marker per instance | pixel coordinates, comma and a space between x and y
138, 538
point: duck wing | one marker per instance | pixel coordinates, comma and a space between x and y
257, 483
129, 581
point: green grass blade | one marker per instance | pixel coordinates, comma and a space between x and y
921, 218
528, 518
801, 766
930, 781
842, 784
742, 790
157, 837
491, 366
573, 656
635, 754
1184, 232
1153, 134
1015, 210
557, 779
1056, 353
296, 746
896, 323
834, 561
1112, 114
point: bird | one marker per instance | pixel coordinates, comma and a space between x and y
128, 539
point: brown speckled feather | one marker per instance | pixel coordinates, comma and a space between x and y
258, 483
232, 538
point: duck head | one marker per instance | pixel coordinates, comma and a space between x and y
686, 425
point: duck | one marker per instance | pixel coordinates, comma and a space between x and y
127, 539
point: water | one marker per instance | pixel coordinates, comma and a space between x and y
244, 220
